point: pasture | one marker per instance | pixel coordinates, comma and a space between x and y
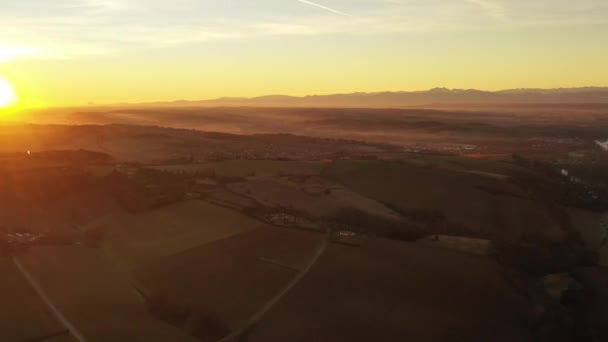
24, 315
481, 205
144, 237
391, 291
462, 244
592, 226
501, 164
603, 254
313, 196
244, 168
97, 299
230, 279
51, 200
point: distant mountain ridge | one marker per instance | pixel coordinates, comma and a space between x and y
435, 96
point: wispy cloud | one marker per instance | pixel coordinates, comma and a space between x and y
492, 7
8, 53
324, 7
67, 28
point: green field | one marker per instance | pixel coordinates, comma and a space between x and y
227, 281
312, 196
23, 164
244, 168
143, 237
504, 165
590, 225
24, 315
97, 299
392, 291
603, 255
99, 170
480, 204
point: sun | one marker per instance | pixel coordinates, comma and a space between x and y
8, 98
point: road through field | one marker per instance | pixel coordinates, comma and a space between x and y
265, 308
54, 310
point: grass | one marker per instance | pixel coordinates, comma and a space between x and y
503, 166
24, 315
99, 170
26, 163
99, 300
229, 280
391, 291
487, 206
45, 201
244, 168
143, 237
312, 197
603, 256
589, 224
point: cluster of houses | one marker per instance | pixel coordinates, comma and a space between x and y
440, 148
603, 145
22, 238
281, 219
548, 141
12, 241
589, 189
347, 237
260, 155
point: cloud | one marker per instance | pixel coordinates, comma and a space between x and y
71, 28
8, 53
492, 7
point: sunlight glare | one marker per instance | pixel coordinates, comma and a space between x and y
7, 95
8, 53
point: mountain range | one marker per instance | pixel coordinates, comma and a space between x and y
433, 97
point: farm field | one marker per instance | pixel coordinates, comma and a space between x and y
603, 255
501, 164
150, 144
45, 200
462, 244
144, 237
592, 225
67, 338
24, 316
228, 280
244, 168
23, 163
485, 206
447, 234
492, 129
313, 196
225, 197
389, 291
94, 297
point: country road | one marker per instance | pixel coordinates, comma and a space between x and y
254, 319
54, 310
268, 306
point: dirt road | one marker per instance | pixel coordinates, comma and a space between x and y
54, 310
270, 304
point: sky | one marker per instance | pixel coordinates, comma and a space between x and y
75, 52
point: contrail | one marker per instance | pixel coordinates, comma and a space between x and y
325, 8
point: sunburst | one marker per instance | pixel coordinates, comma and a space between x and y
8, 97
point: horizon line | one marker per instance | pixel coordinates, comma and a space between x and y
144, 102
